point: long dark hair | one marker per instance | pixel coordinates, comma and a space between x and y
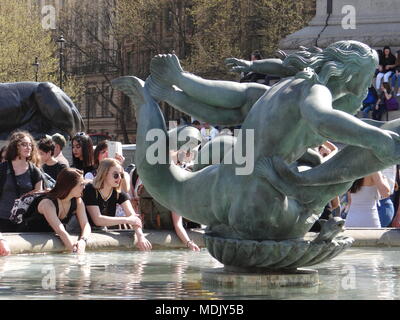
87, 150
356, 185
67, 179
47, 145
3, 150
390, 54
99, 148
386, 85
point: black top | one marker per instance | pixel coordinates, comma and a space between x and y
38, 223
78, 164
391, 59
92, 197
53, 170
13, 187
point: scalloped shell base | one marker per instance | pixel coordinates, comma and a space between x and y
264, 256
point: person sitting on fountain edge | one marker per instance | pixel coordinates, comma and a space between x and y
102, 196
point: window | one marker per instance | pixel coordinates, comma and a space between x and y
91, 102
129, 62
169, 19
105, 111
127, 108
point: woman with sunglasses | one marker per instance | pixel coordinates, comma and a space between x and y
82, 152
19, 174
58, 206
102, 196
101, 153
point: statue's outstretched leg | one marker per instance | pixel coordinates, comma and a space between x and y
197, 93
201, 111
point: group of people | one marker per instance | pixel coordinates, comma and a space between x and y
93, 192
371, 201
382, 97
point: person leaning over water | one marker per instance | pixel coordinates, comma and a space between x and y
102, 196
58, 206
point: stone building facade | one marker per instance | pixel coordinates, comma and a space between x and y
96, 57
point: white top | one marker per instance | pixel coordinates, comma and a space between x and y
61, 158
363, 212
209, 134
390, 174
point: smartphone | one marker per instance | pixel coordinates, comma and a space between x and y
113, 148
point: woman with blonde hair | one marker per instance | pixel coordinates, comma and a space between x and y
102, 196
19, 174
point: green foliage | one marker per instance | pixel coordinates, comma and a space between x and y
23, 38
235, 28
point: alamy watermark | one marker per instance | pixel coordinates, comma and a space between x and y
47, 9
48, 14
349, 278
49, 278
349, 19
240, 153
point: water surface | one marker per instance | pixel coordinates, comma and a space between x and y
358, 273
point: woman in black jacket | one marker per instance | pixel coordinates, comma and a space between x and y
18, 175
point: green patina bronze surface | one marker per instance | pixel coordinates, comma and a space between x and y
315, 101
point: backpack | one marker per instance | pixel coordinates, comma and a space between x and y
154, 215
24, 206
48, 181
392, 104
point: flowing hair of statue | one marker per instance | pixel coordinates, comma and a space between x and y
341, 59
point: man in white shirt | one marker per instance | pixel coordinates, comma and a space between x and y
60, 143
208, 132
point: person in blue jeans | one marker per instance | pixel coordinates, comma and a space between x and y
396, 75
386, 207
370, 101
396, 78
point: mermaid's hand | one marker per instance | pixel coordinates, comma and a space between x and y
281, 54
238, 65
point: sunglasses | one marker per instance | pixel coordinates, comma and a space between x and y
117, 175
25, 144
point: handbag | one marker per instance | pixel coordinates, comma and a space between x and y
392, 104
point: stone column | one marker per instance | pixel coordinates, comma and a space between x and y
374, 22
